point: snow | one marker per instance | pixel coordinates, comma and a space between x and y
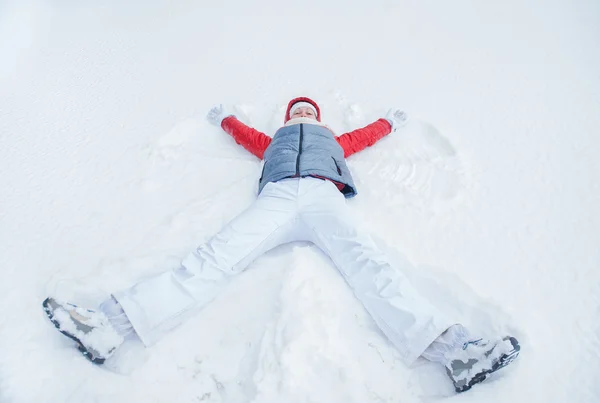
489, 199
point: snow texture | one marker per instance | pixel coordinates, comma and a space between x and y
489, 198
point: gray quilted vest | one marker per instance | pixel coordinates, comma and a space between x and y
306, 150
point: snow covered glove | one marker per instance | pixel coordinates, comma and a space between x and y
397, 118
217, 114
96, 338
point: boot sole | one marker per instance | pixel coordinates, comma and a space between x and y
86, 353
503, 361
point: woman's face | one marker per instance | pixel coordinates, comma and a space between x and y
304, 112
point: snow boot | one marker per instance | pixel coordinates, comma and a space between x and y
96, 338
477, 359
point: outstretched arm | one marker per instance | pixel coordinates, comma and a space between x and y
358, 140
251, 139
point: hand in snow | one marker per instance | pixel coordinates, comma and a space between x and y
217, 114
397, 118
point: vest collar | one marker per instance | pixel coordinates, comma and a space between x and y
297, 121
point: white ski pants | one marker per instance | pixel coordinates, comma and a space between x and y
297, 209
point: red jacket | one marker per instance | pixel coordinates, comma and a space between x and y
352, 142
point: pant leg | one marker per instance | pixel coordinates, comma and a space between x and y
162, 302
452, 339
116, 316
410, 321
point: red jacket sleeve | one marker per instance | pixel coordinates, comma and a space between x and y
357, 140
252, 140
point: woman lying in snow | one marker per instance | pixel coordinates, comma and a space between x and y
302, 197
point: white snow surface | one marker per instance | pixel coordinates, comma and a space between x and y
489, 198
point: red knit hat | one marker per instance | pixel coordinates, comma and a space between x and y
301, 99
